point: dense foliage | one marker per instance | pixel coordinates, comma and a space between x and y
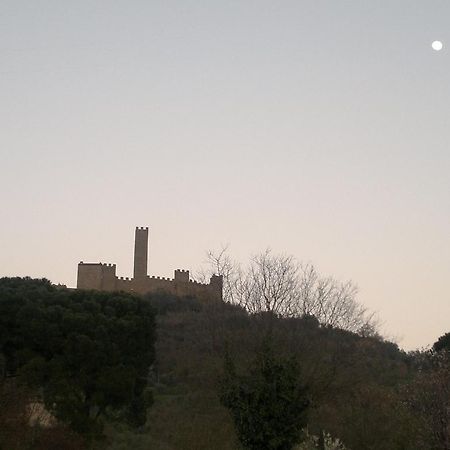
85, 354
443, 343
269, 404
362, 390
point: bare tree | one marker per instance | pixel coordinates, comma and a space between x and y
332, 302
220, 263
283, 286
270, 284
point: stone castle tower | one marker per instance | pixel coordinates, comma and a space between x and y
102, 277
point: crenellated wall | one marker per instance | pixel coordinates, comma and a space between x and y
96, 276
102, 277
181, 275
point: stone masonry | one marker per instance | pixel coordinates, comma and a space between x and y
102, 277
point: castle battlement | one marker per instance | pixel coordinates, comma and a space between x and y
159, 278
102, 276
198, 283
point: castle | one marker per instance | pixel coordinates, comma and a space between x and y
102, 277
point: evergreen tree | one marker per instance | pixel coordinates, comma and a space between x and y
269, 404
87, 353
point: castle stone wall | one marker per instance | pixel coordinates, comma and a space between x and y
89, 276
102, 277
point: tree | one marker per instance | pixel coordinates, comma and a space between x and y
443, 343
269, 404
428, 396
281, 285
87, 352
220, 263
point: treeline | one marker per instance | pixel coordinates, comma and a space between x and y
286, 287
216, 377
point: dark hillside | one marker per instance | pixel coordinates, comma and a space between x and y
92, 360
354, 381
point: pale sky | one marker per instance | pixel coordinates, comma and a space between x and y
318, 128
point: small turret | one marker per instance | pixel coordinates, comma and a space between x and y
181, 275
216, 284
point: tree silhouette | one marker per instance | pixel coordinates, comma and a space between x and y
269, 404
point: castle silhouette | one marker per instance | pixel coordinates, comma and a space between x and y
102, 277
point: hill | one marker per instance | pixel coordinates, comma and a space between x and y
355, 383
78, 351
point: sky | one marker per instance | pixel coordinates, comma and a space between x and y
317, 128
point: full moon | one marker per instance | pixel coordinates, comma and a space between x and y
437, 45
